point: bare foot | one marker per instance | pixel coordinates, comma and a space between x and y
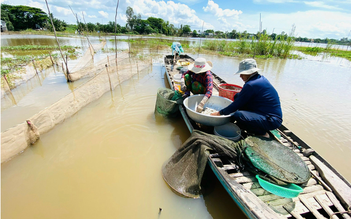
265, 135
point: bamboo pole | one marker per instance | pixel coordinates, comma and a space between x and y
9, 89
53, 27
53, 63
76, 16
115, 34
91, 52
34, 66
109, 79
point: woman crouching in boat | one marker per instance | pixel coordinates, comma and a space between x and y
257, 107
199, 80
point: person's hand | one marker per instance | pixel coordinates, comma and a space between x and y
182, 85
215, 114
200, 106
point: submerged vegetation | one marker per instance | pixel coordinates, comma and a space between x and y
318, 50
37, 53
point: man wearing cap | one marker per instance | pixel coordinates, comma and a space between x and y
199, 80
257, 107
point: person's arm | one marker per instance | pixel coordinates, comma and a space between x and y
243, 98
209, 87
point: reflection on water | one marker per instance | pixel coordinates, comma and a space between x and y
105, 161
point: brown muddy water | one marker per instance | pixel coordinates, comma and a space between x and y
106, 160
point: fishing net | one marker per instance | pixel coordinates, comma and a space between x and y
167, 102
184, 170
278, 163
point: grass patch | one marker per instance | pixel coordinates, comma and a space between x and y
318, 50
261, 46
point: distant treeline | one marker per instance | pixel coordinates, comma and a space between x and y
24, 17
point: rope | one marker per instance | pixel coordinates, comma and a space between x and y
341, 212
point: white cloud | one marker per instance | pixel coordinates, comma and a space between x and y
176, 13
311, 24
104, 14
227, 18
319, 4
274, 1
219, 12
92, 16
62, 11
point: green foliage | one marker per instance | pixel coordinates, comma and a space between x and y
36, 47
23, 17
260, 45
59, 25
186, 29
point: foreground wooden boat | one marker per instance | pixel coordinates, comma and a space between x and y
326, 195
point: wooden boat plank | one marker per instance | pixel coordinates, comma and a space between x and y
313, 188
322, 202
294, 213
342, 191
255, 208
337, 204
311, 207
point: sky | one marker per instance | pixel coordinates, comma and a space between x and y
312, 19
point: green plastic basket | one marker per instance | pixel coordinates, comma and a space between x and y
289, 191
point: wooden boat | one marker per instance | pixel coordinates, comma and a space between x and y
326, 195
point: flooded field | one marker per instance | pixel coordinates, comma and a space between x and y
106, 160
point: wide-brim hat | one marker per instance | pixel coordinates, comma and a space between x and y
247, 67
200, 65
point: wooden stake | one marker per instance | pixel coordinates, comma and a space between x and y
53, 63
108, 77
9, 89
34, 66
67, 66
53, 27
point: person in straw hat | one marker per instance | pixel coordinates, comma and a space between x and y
199, 80
257, 107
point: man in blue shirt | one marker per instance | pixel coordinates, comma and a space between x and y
257, 107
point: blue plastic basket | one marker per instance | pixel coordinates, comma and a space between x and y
288, 191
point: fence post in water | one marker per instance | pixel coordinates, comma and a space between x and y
8, 85
34, 66
108, 60
108, 77
53, 63
53, 27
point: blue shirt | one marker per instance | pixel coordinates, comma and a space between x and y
259, 96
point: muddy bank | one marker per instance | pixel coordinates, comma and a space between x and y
16, 139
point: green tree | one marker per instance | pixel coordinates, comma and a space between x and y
59, 25
91, 27
7, 17
24, 17
195, 33
186, 29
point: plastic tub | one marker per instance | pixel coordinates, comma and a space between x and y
229, 131
229, 90
288, 191
177, 79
